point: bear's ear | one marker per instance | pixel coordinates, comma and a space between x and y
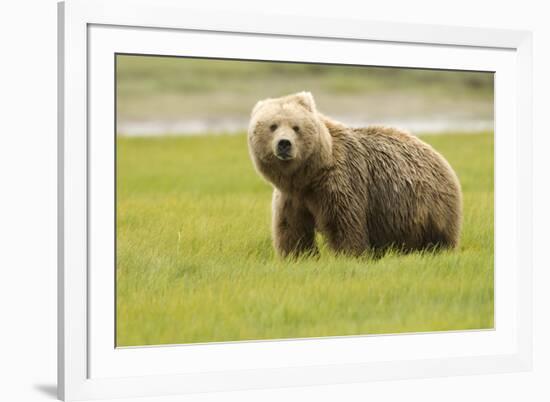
306, 100
258, 105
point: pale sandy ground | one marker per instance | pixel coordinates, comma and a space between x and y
217, 115
441, 125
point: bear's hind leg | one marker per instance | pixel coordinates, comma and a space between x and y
439, 236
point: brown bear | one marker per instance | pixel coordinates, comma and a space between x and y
365, 189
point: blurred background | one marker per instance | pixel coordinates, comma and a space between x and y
186, 96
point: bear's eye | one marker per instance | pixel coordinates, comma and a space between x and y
273, 127
296, 128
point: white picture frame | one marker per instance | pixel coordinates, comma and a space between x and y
90, 367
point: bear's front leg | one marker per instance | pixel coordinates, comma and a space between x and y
346, 232
293, 226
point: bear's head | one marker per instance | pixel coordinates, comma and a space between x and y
287, 139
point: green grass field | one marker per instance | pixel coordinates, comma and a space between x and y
195, 261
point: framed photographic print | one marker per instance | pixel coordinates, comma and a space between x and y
266, 201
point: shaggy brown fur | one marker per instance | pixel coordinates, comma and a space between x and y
365, 189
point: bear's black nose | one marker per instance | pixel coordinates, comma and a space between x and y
283, 146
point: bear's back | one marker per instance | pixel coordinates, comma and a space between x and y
411, 191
